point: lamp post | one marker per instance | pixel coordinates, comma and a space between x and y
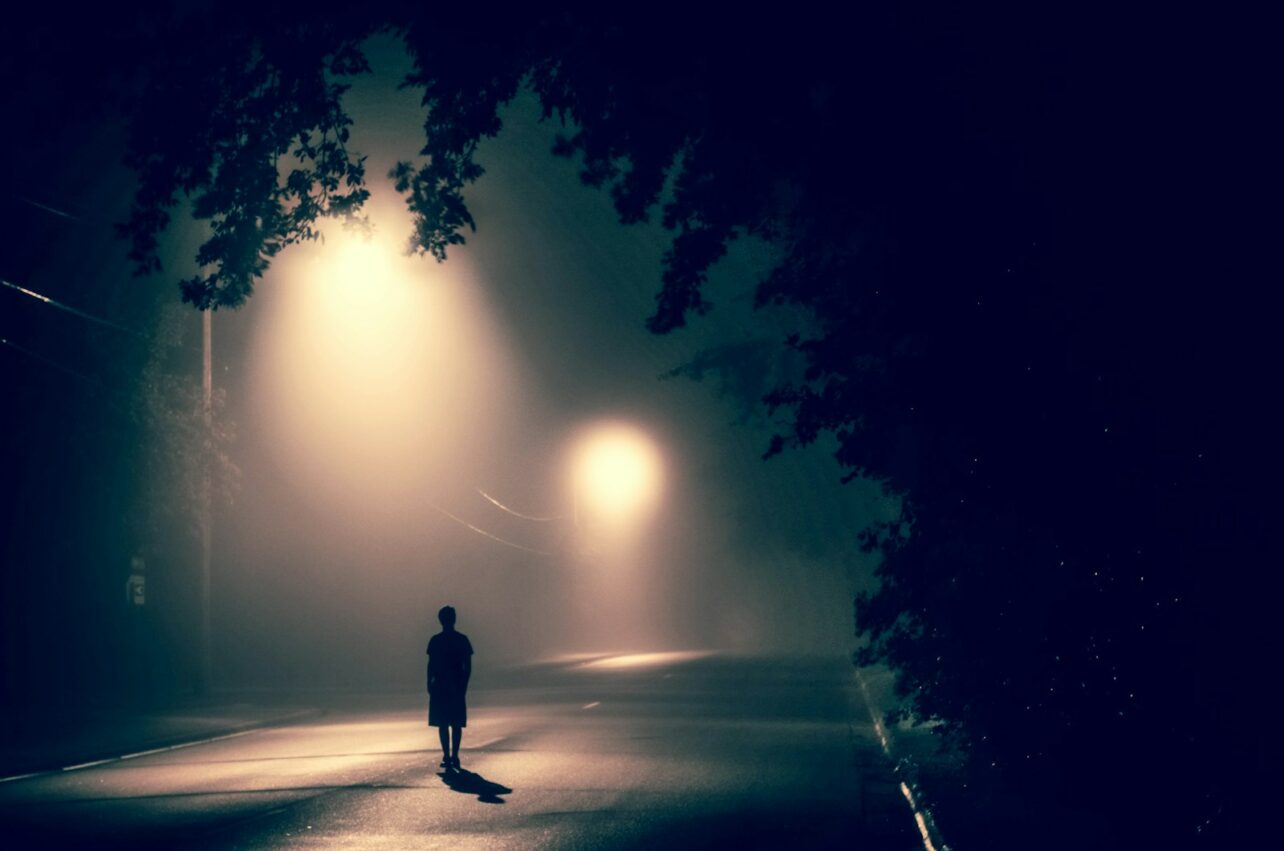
207, 512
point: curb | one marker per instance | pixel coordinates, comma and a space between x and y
905, 772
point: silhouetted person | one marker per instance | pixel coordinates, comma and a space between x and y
450, 664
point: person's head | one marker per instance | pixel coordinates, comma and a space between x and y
447, 617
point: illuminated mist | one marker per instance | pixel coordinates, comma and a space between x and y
490, 432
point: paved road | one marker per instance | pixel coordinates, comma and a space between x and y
619, 752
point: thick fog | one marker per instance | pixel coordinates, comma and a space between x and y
385, 404
395, 418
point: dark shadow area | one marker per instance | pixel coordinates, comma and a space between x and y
771, 828
468, 783
29, 807
137, 834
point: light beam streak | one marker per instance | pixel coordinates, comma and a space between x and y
93, 382
53, 363
82, 314
486, 534
54, 210
515, 513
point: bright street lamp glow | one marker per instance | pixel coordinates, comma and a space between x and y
617, 473
378, 378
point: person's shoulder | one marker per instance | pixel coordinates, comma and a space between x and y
436, 639
464, 642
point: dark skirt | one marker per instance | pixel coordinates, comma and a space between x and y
446, 708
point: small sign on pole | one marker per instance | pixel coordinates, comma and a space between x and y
136, 585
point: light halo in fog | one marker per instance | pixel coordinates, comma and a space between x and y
617, 473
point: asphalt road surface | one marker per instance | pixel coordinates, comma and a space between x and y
676, 750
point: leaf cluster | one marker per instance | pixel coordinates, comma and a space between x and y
250, 127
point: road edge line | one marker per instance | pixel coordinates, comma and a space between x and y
923, 819
239, 730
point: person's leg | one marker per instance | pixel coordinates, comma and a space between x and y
443, 732
457, 736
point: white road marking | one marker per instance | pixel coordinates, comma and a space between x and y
20, 776
918, 819
921, 816
134, 755
185, 745
87, 764
591, 705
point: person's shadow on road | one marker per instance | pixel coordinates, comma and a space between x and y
468, 783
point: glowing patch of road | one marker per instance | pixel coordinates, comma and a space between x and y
572, 658
646, 660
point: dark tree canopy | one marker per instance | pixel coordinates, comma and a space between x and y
1018, 241
249, 127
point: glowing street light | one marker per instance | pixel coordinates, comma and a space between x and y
616, 474
379, 378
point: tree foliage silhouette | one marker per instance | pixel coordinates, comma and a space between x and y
250, 127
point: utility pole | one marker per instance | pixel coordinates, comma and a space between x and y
207, 512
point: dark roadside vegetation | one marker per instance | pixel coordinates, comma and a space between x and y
1031, 242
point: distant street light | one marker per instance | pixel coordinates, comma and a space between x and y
616, 474
616, 477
